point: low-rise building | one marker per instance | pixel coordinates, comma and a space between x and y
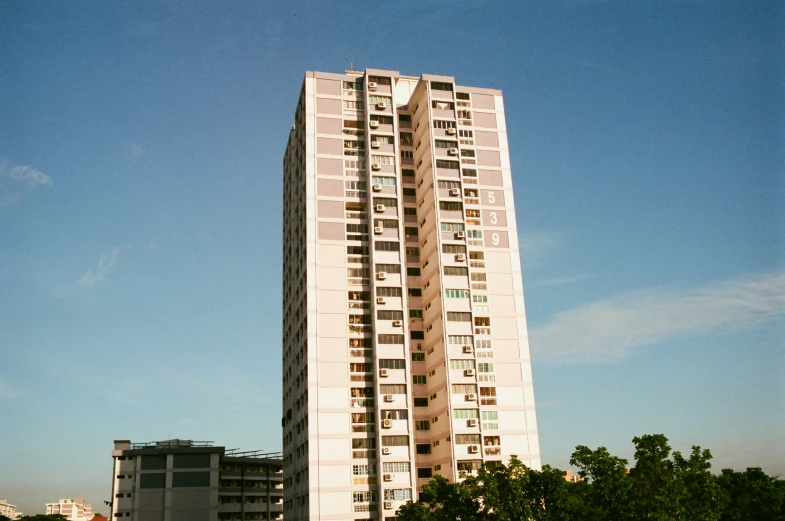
185, 480
71, 509
8, 510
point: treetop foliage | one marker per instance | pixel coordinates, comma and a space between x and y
661, 486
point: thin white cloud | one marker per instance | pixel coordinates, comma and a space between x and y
536, 247
134, 150
10, 199
9, 392
97, 274
558, 281
24, 174
613, 328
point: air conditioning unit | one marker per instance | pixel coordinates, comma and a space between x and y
371, 85
387, 477
373, 124
375, 144
452, 151
376, 166
460, 257
388, 505
473, 449
468, 372
381, 105
471, 397
377, 230
382, 275
383, 373
452, 131
386, 451
468, 348
455, 191
388, 398
380, 300
380, 208
460, 235
387, 423
376, 187
397, 323
471, 422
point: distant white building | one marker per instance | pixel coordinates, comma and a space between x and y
72, 509
8, 510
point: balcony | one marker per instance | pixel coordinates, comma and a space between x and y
493, 451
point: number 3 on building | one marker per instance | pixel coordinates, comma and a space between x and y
495, 239
494, 218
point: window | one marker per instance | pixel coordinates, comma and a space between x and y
419, 379
379, 80
477, 255
384, 140
416, 335
353, 145
450, 206
453, 248
388, 292
390, 339
355, 185
353, 85
404, 118
469, 465
485, 367
358, 272
441, 143
423, 448
353, 105
478, 277
388, 268
395, 414
490, 420
413, 272
412, 251
424, 472
483, 344
408, 173
383, 120
464, 388
407, 154
361, 392
465, 133
360, 368
364, 496
467, 152
442, 105
395, 441
438, 123
373, 99
461, 364
392, 389
456, 293
363, 443
462, 95
398, 494
460, 339
411, 231
394, 363
386, 246
467, 172
406, 137
420, 402
396, 466
438, 85
443, 163
385, 314
383, 160
411, 192
447, 185
384, 181
415, 292
456, 316
386, 201
452, 227
418, 357
456, 271
467, 439
363, 470
465, 414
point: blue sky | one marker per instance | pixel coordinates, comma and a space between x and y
140, 227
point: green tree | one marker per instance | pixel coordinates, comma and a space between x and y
605, 492
752, 495
44, 517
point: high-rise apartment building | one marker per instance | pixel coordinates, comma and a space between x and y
71, 509
185, 480
405, 348
8, 510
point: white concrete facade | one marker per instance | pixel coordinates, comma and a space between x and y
71, 509
405, 348
8, 510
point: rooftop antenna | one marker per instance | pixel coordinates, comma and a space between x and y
351, 64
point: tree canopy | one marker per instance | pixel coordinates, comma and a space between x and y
661, 485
